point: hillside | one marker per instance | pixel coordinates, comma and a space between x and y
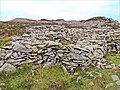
22, 20
59, 54
19, 24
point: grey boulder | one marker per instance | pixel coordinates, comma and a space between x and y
115, 77
7, 67
118, 82
18, 47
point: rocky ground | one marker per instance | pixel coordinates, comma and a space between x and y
72, 45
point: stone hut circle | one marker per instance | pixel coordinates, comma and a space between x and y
71, 48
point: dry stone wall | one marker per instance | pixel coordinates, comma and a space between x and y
54, 44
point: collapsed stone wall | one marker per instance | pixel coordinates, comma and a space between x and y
43, 46
69, 57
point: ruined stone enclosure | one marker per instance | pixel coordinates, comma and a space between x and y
70, 48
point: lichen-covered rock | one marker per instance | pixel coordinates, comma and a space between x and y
52, 44
115, 77
35, 49
7, 67
118, 82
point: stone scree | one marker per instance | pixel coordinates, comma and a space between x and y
43, 50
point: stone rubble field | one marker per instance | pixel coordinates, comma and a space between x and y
71, 48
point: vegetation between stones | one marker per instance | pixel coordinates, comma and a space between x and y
54, 78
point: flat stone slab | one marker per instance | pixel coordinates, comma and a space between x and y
18, 47
115, 77
118, 82
7, 67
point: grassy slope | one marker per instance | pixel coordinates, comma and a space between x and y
54, 78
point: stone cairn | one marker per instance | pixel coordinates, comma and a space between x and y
70, 48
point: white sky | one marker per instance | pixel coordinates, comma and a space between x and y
59, 9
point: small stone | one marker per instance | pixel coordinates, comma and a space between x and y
26, 51
99, 63
83, 68
15, 54
1, 63
28, 46
7, 47
113, 65
49, 49
10, 61
60, 54
47, 64
90, 48
119, 65
72, 70
2, 84
52, 43
66, 60
60, 51
32, 72
18, 47
40, 61
102, 67
74, 64
118, 82
39, 51
91, 75
35, 49
45, 58
67, 63
20, 60
40, 57
7, 67
98, 66
109, 85
115, 77
91, 83
80, 49
8, 55
76, 74
47, 54
108, 66
74, 56
64, 68
78, 78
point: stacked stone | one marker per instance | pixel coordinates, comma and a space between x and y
50, 53
76, 36
44, 45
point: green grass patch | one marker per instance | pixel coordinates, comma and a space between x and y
113, 57
4, 41
16, 80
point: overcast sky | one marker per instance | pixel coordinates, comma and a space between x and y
59, 9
